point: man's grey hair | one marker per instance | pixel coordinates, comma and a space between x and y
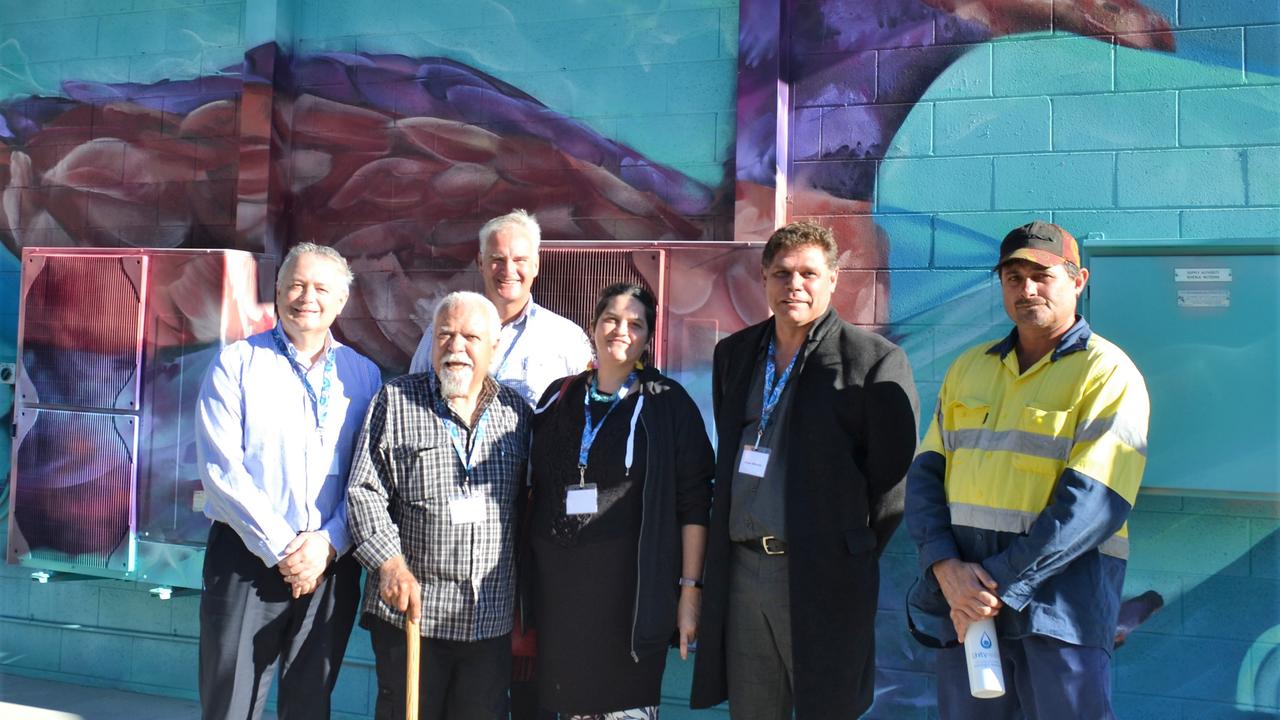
308, 248
514, 219
466, 297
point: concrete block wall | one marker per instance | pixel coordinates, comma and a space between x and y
115, 41
658, 76
1096, 137
1132, 144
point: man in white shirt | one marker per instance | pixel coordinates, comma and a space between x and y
535, 345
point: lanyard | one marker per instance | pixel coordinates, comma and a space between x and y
589, 431
523, 323
772, 389
466, 456
320, 403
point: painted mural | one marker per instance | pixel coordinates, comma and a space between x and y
825, 55
394, 161
396, 154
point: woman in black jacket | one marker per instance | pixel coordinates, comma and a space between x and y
621, 469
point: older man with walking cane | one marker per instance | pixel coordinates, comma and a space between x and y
432, 506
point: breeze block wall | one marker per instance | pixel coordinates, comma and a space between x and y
920, 130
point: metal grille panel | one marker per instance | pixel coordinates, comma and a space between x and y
81, 331
570, 279
73, 485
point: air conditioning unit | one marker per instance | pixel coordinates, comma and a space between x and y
112, 348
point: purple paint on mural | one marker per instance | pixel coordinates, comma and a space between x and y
874, 53
396, 161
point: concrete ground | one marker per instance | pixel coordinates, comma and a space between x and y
23, 698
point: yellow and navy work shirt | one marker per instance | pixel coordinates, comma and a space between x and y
1033, 475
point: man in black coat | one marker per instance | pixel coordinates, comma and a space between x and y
817, 423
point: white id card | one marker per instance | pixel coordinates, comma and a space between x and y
327, 457
580, 500
467, 509
754, 461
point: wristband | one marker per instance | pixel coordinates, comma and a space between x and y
689, 582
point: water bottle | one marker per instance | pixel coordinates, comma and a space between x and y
982, 655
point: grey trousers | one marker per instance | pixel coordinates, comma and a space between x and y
758, 637
250, 623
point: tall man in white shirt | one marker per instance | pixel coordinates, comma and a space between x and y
278, 416
535, 345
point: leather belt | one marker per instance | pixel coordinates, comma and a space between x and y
767, 545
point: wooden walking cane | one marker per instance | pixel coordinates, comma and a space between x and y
413, 643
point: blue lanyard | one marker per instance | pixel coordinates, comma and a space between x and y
320, 403
589, 431
512, 346
772, 390
465, 456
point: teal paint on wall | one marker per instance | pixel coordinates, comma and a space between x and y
953, 184
1121, 223
1060, 180
991, 126
1254, 114
1181, 178
916, 250
1051, 66
1206, 58
1262, 54
1121, 121
1235, 223
963, 240
1263, 176
1215, 13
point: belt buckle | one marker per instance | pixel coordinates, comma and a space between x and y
764, 544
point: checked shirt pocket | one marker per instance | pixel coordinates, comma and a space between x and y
426, 472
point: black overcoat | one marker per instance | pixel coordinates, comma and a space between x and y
851, 436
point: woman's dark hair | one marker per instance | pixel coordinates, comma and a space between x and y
629, 289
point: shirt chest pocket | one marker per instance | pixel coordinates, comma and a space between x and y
968, 414
1042, 440
427, 471
962, 422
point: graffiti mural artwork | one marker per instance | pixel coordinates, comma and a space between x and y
919, 130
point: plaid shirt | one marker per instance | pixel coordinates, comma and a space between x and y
403, 476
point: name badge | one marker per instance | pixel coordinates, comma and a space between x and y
754, 461
581, 500
327, 456
466, 510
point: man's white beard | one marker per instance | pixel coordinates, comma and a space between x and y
455, 382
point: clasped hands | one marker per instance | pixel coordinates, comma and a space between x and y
969, 590
306, 557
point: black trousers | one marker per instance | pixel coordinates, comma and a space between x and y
457, 680
250, 623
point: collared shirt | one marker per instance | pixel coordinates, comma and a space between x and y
268, 471
405, 473
534, 350
759, 504
1033, 474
